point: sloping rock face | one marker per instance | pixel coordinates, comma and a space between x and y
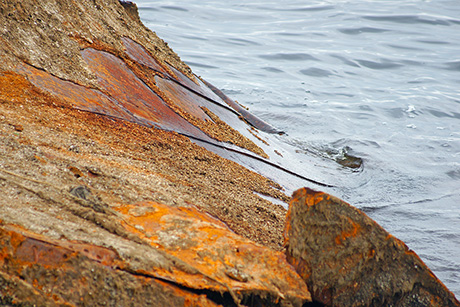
105, 199
347, 259
74, 189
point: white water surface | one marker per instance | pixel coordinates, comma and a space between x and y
379, 80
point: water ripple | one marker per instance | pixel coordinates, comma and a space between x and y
173, 7
455, 65
356, 31
242, 42
404, 47
318, 8
272, 69
289, 57
408, 19
314, 8
316, 72
383, 64
433, 42
344, 60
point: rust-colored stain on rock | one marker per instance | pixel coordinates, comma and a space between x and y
141, 55
205, 256
182, 98
75, 95
347, 259
135, 97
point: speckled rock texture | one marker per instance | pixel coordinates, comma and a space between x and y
105, 201
112, 191
347, 259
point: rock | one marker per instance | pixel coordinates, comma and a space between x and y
347, 259
194, 259
118, 179
38, 271
105, 200
87, 76
18, 128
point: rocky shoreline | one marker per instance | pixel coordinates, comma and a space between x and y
125, 182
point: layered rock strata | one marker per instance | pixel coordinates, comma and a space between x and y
119, 187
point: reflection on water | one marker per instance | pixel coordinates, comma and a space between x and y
372, 85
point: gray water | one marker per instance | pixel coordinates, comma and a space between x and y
379, 80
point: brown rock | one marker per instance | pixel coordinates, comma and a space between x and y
213, 258
37, 271
198, 262
347, 259
117, 213
109, 215
18, 128
95, 57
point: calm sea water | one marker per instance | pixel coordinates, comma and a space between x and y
379, 80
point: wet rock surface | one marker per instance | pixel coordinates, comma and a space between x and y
347, 259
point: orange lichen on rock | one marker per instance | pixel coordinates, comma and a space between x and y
347, 259
15, 88
40, 271
95, 163
221, 260
201, 257
351, 232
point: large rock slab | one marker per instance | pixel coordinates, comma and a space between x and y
347, 259
118, 179
165, 256
85, 196
105, 200
38, 271
98, 58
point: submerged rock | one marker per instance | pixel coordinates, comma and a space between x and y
347, 259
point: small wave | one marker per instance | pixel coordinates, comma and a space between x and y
356, 31
384, 64
422, 80
440, 114
316, 72
174, 8
396, 112
412, 62
344, 60
318, 8
272, 69
242, 42
403, 47
314, 8
455, 65
195, 37
408, 19
432, 42
147, 8
294, 34
289, 57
